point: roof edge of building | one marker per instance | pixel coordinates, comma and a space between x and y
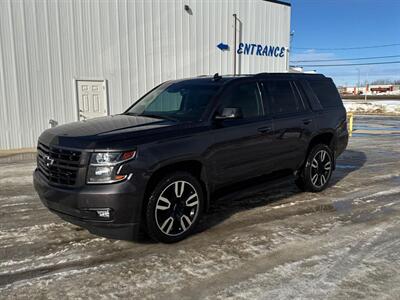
279, 2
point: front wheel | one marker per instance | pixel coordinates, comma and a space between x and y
317, 171
174, 207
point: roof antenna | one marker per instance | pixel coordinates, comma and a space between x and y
217, 77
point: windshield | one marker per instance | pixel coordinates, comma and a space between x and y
180, 101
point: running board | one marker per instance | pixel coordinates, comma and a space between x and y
254, 186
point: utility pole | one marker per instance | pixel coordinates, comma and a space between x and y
366, 86
358, 82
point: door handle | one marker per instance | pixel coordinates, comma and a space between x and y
307, 121
265, 129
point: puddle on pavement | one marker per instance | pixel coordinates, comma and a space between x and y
343, 206
341, 166
372, 135
366, 127
379, 212
376, 123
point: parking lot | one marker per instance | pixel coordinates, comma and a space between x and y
270, 242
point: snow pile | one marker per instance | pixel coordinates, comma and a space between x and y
373, 107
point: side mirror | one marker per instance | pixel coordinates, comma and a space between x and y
229, 113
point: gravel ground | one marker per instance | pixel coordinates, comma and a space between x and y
272, 243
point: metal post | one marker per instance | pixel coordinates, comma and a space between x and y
350, 116
289, 50
234, 45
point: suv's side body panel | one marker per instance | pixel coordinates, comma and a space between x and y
291, 138
229, 154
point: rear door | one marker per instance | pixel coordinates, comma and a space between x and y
241, 146
293, 122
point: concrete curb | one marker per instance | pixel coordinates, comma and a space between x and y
12, 152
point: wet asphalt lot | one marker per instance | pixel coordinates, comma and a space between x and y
274, 242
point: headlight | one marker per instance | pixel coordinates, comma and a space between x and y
104, 167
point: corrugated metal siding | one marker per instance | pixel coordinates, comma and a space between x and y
134, 45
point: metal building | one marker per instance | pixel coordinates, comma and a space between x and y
69, 60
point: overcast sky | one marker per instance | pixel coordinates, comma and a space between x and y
325, 24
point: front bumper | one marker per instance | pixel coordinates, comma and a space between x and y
77, 205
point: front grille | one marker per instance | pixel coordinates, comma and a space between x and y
58, 165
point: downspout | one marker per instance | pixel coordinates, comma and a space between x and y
234, 45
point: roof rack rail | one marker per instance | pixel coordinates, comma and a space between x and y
262, 74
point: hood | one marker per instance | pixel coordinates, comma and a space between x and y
100, 132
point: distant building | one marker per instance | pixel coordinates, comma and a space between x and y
381, 89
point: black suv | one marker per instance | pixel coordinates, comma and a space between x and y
155, 167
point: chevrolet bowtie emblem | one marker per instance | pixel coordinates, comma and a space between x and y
48, 161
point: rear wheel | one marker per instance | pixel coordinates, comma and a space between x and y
317, 171
174, 207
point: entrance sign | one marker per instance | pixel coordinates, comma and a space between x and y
261, 50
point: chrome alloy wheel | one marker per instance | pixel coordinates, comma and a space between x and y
321, 168
177, 208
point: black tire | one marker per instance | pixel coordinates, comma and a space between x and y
317, 170
174, 208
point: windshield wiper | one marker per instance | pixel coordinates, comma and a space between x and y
158, 117
152, 116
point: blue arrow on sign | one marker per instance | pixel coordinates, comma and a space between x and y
223, 47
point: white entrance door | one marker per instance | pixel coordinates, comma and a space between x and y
92, 99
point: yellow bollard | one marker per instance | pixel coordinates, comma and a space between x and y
350, 123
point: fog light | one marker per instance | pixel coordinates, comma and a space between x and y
103, 213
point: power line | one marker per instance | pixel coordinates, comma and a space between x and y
343, 59
349, 48
360, 64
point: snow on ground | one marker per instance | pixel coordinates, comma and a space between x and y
273, 243
370, 106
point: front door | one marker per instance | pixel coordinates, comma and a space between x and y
241, 146
92, 99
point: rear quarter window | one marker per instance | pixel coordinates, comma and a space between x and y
282, 98
326, 92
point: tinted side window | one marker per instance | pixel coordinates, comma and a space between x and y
282, 97
303, 96
326, 92
245, 96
